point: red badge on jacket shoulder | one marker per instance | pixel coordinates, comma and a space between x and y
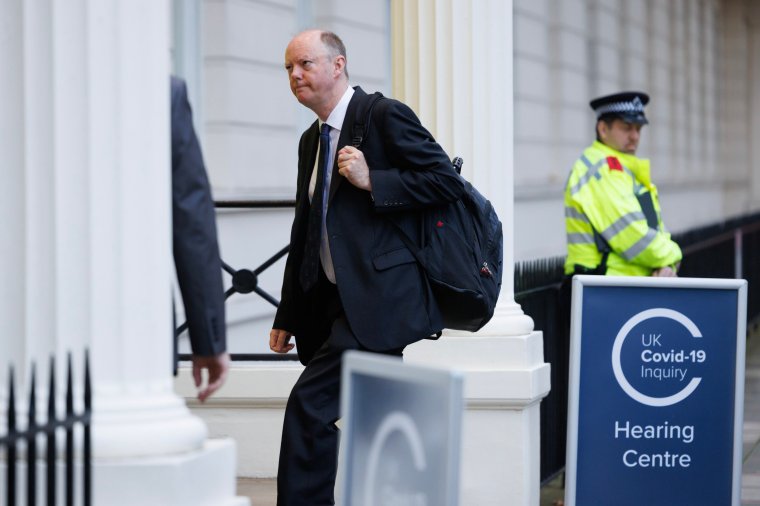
614, 163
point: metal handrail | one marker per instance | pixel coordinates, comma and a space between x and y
729, 235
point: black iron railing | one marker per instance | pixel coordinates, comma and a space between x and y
540, 292
729, 249
16, 439
246, 281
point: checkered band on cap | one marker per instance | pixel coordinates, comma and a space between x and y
627, 106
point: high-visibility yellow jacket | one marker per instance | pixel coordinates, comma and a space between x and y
611, 193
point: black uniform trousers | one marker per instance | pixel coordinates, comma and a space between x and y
309, 448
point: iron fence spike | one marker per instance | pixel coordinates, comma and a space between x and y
11, 445
31, 440
33, 394
11, 401
87, 389
51, 390
69, 387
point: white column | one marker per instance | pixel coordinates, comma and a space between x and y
26, 293
12, 191
452, 63
122, 256
97, 186
85, 133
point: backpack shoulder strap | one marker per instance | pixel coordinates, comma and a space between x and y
362, 121
363, 118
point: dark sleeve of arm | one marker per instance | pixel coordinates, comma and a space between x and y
196, 250
285, 316
421, 173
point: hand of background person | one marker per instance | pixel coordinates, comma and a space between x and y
664, 272
218, 366
279, 341
353, 166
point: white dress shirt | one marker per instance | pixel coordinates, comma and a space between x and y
335, 120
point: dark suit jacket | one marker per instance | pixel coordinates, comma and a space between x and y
196, 251
385, 296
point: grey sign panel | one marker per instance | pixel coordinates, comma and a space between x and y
401, 432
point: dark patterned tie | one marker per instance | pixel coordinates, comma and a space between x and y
310, 262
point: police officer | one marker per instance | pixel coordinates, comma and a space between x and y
612, 213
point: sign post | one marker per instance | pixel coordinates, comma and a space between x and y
400, 434
656, 391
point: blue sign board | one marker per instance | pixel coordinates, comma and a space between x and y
656, 391
400, 434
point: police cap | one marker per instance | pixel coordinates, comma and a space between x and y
627, 105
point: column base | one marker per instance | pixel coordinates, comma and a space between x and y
142, 425
501, 456
505, 379
508, 320
205, 477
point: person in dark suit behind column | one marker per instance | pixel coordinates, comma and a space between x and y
350, 283
196, 250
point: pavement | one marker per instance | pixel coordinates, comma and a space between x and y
263, 491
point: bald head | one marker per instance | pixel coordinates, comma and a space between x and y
316, 64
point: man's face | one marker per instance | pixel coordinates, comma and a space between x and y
620, 135
311, 71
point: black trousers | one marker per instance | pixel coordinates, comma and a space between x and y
309, 448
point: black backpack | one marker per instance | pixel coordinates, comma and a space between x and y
462, 251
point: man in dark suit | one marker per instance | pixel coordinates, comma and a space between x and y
196, 251
358, 287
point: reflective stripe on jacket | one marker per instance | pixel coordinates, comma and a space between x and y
604, 194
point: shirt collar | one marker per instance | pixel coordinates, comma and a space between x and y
338, 114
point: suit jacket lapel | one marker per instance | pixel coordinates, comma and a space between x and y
308, 158
346, 134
